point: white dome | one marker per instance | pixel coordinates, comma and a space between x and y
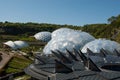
11, 44
65, 38
16, 44
60, 31
96, 45
21, 44
43, 36
61, 45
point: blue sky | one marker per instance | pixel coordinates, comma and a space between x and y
72, 12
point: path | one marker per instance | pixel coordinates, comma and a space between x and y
5, 59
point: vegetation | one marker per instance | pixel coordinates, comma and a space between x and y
32, 48
109, 31
17, 64
25, 30
24, 77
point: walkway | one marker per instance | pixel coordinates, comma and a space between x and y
5, 59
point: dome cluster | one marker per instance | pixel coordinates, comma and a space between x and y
16, 44
43, 36
65, 38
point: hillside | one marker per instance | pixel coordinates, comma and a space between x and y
109, 31
24, 30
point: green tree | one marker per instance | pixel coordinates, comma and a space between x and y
111, 19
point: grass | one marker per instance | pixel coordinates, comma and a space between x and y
24, 77
15, 37
8, 37
32, 48
17, 64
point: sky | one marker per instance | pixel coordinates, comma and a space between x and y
71, 12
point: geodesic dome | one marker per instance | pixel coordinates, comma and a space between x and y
16, 44
43, 36
11, 44
61, 45
60, 32
65, 38
21, 44
98, 44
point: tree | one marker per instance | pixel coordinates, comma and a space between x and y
111, 19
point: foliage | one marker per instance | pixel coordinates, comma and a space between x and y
28, 28
105, 30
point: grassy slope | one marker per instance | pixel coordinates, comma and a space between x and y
17, 64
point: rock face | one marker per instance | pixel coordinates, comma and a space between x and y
75, 66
